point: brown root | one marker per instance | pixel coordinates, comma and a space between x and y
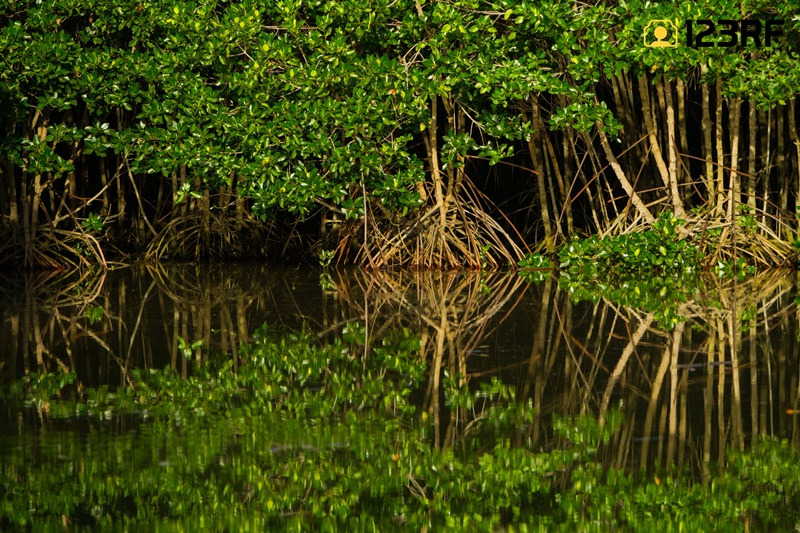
462, 235
207, 235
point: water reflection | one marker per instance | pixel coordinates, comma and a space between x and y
724, 377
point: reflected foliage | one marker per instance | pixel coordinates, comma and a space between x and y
317, 436
407, 400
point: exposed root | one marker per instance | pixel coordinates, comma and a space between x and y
209, 235
750, 235
462, 234
52, 249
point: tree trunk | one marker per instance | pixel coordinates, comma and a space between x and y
650, 126
537, 157
707, 144
733, 112
626, 185
677, 205
752, 130
796, 141
720, 159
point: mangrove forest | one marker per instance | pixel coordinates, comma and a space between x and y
410, 265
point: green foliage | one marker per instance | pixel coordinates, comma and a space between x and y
738, 268
186, 348
93, 223
653, 270
94, 314
535, 260
535, 267
657, 251
325, 258
306, 103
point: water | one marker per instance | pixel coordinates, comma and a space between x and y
719, 381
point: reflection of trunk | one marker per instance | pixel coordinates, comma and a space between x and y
675, 346
456, 313
652, 404
708, 403
616, 374
535, 362
754, 397
734, 335
574, 359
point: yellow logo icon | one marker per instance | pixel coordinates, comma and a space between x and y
661, 34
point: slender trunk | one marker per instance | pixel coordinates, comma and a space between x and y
681, 141
624, 108
205, 216
240, 208
793, 135
626, 185
535, 148
121, 212
36, 199
184, 209
647, 111
660, 110
452, 128
174, 179
160, 199
433, 162
677, 205
562, 188
26, 239
780, 161
752, 129
707, 145
11, 186
3, 191
763, 147
720, 159
572, 143
594, 160
734, 107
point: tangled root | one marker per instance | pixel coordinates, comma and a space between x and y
210, 236
460, 234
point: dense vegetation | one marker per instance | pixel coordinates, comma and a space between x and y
245, 449
388, 132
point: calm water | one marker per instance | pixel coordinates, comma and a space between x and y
722, 379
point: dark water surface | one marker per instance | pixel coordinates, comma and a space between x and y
723, 379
